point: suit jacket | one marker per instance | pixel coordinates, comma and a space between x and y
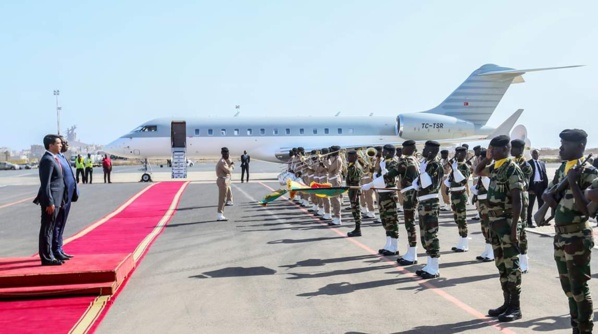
72, 191
52, 186
542, 172
245, 160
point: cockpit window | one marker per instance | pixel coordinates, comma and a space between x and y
146, 128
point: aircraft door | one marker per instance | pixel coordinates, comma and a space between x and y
178, 136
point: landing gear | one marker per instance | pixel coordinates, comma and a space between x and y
147, 168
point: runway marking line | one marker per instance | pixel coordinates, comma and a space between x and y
97, 310
426, 283
16, 202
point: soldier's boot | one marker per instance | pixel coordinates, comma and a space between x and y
320, 212
523, 263
462, 246
484, 254
355, 233
393, 248
420, 271
584, 327
495, 312
364, 211
513, 312
489, 253
386, 245
409, 258
433, 271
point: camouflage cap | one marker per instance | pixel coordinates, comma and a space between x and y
432, 143
574, 135
409, 142
517, 143
502, 140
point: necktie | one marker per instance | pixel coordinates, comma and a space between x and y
59, 164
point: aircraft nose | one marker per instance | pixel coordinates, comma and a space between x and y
116, 147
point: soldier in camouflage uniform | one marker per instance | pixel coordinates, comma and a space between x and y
428, 184
354, 174
481, 190
409, 172
386, 178
504, 211
573, 241
517, 148
457, 180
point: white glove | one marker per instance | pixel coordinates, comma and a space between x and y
455, 165
422, 167
426, 180
384, 171
458, 175
486, 182
367, 186
383, 165
473, 190
415, 184
447, 183
379, 182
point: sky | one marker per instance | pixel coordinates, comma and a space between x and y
118, 64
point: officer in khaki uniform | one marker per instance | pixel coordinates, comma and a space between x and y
504, 213
334, 165
224, 169
573, 241
444, 162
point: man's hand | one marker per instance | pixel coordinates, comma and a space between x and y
50, 209
422, 167
549, 199
489, 153
573, 175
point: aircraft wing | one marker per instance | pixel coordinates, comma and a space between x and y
526, 70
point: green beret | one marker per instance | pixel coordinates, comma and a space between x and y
574, 135
502, 140
432, 143
517, 143
408, 143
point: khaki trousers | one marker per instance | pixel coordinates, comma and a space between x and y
224, 193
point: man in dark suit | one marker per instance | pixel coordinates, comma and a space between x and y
245, 159
50, 197
537, 184
71, 195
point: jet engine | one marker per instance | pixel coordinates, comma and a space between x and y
423, 126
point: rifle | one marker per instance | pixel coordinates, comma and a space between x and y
557, 192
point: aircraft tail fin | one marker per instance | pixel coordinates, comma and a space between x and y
507, 125
477, 97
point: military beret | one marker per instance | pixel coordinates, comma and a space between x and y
482, 152
325, 150
224, 150
502, 140
313, 152
444, 151
575, 135
465, 145
378, 148
432, 143
477, 147
389, 147
335, 148
300, 149
408, 143
352, 152
517, 143
460, 149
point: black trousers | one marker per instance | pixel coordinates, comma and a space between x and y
107, 174
82, 173
244, 169
46, 235
536, 191
88, 175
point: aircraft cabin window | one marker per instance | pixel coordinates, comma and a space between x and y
301, 131
350, 131
236, 132
340, 131
275, 131
326, 131
315, 131
197, 132
287, 131
210, 132
223, 132
262, 131
249, 132
146, 128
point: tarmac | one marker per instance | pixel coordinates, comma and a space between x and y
278, 269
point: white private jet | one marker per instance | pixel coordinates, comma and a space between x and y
461, 116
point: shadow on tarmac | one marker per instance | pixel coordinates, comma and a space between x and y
236, 272
323, 262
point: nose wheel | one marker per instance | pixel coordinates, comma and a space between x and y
146, 178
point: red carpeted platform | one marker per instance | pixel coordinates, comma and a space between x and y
83, 275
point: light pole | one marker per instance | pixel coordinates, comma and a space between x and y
56, 93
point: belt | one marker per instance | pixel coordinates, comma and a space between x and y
427, 197
333, 178
310, 175
404, 190
388, 191
499, 213
484, 196
462, 188
571, 228
365, 177
352, 185
224, 177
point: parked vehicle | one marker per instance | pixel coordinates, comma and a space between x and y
4, 165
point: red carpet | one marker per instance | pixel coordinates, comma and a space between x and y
130, 231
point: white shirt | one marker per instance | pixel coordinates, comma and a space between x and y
537, 177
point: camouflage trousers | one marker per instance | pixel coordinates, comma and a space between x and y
572, 253
355, 207
428, 226
484, 222
458, 204
523, 234
506, 255
388, 213
409, 207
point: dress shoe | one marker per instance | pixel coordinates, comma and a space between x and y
386, 252
404, 262
354, 233
427, 275
60, 257
66, 255
51, 263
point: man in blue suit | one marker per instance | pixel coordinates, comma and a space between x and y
50, 197
72, 194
